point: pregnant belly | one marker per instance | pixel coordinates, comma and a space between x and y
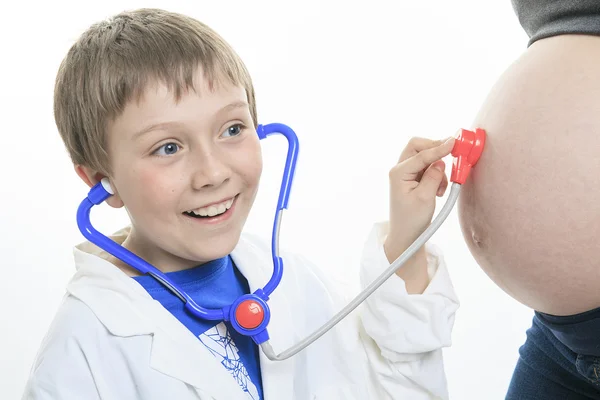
530, 211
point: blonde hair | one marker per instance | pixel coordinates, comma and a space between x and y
114, 60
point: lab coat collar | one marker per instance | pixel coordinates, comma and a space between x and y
126, 309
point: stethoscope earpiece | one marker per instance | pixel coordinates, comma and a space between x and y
106, 185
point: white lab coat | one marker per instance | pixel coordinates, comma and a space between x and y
110, 340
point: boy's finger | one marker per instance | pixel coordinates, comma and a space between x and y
444, 184
430, 183
443, 187
425, 158
417, 145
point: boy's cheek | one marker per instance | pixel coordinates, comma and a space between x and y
255, 164
134, 186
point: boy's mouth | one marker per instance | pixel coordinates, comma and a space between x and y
214, 210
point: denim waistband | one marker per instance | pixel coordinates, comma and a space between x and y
579, 332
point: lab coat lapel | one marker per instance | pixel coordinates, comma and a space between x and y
178, 353
175, 351
256, 264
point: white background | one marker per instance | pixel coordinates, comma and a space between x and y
354, 79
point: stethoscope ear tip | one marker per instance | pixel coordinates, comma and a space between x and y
106, 185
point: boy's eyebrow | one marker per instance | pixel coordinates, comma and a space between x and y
234, 105
229, 107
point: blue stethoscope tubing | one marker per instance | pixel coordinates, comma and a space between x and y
257, 300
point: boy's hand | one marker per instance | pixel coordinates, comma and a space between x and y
414, 183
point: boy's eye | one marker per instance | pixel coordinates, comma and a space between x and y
233, 130
167, 149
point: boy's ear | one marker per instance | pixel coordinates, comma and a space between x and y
91, 177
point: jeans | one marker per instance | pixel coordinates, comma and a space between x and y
560, 359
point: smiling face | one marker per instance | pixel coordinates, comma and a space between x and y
187, 170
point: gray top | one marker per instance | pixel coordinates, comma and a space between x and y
545, 18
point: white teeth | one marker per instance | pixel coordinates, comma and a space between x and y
213, 210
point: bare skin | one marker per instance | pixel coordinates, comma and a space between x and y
530, 211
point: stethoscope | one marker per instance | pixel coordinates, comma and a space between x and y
249, 315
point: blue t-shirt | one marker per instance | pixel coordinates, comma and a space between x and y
214, 285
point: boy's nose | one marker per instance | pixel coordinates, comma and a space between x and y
209, 171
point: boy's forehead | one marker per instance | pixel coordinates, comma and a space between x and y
159, 101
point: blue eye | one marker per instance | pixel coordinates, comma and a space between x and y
167, 149
233, 130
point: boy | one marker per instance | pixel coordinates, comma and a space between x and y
163, 107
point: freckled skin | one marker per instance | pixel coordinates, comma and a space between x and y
530, 210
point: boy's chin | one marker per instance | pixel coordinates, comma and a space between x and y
218, 247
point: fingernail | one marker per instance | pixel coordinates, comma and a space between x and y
448, 140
